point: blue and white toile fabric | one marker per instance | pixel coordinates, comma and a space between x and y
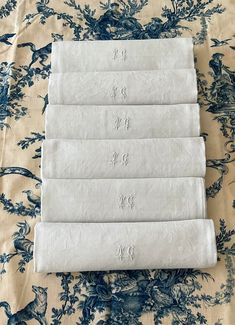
144, 297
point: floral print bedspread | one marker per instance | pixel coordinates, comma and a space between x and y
149, 297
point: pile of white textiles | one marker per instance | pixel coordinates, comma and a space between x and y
123, 163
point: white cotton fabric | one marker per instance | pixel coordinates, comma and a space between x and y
123, 200
122, 121
71, 247
136, 158
124, 87
123, 163
117, 55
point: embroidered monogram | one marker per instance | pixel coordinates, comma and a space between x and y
114, 159
114, 92
120, 55
127, 123
122, 159
126, 201
120, 252
122, 92
117, 123
125, 159
126, 253
130, 201
131, 252
122, 123
122, 201
115, 54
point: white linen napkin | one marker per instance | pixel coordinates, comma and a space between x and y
122, 122
124, 87
136, 158
112, 55
123, 200
71, 247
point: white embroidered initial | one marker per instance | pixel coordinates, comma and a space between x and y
123, 123
126, 201
120, 55
119, 92
126, 252
121, 159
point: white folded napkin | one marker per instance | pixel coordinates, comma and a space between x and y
136, 158
123, 200
71, 247
124, 87
122, 122
70, 56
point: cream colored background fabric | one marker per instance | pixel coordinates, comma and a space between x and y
116, 296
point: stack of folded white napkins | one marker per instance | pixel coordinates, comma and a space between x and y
123, 164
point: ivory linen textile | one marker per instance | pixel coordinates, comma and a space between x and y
123, 87
135, 158
123, 200
70, 247
122, 121
119, 55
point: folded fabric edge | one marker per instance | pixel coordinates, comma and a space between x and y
212, 244
51, 111
202, 197
211, 262
56, 46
